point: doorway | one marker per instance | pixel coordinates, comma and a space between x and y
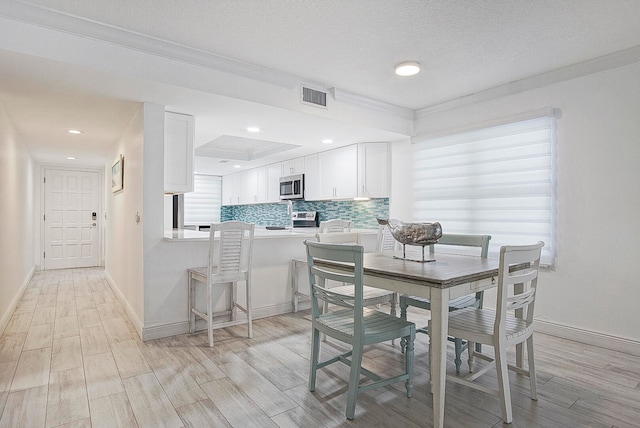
71, 218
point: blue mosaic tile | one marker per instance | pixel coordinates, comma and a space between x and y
362, 213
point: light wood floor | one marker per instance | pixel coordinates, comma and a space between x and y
70, 357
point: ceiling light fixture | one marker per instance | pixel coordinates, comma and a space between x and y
71, 158
327, 141
408, 68
253, 129
74, 131
237, 166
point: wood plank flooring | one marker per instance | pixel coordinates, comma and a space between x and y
70, 357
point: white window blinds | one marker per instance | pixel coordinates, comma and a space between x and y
498, 181
202, 206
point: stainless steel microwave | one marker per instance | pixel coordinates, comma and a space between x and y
292, 187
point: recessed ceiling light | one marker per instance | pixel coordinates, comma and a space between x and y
237, 166
71, 158
74, 131
253, 129
409, 68
327, 141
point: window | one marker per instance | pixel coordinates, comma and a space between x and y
202, 206
498, 181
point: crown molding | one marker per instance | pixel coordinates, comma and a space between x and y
78, 26
371, 104
573, 71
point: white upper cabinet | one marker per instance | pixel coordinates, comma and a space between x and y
178, 153
273, 174
293, 167
338, 173
373, 170
311, 178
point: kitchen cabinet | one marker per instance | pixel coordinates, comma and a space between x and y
338, 173
311, 178
272, 178
293, 166
230, 185
253, 186
373, 170
178, 153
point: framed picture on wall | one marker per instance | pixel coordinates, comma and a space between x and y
117, 174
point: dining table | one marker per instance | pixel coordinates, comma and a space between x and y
445, 277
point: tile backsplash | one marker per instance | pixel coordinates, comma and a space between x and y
362, 213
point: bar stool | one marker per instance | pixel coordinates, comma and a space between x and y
230, 264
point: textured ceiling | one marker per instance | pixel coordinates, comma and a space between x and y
465, 47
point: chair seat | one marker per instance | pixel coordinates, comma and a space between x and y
477, 325
371, 295
454, 305
378, 326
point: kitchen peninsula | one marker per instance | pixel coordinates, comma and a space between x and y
273, 251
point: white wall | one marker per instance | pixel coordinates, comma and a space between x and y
594, 289
124, 259
16, 217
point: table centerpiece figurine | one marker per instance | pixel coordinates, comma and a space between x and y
418, 234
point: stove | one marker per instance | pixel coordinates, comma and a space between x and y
305, 218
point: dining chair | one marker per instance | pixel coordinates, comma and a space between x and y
372, 296
230, 251
352, 323
472, 300
385, 240
509, 325
335, 225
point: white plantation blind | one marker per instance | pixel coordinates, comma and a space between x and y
202, 206
498, 181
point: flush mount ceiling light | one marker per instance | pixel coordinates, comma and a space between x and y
253, 129
409, 68
237, 166
74, 131
327, 141
71, 158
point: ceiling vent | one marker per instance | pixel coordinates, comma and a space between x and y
314, 97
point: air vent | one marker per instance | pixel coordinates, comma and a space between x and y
311, 96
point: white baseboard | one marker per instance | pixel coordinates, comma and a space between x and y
137, 323
14, 303
589, 337
159, 331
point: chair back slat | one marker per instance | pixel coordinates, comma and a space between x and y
352, 238
335, 225
232, 259
350, 271
463, 240
508, 299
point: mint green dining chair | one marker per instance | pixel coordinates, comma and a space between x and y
350, 322
472, 300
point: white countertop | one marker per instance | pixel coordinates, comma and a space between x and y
176, 235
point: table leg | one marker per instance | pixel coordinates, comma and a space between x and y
438, 335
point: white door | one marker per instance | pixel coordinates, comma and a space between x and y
71, 205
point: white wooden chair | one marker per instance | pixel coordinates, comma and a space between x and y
385, 241
509, 325
335, 225
229, 264
353, 324
472, 300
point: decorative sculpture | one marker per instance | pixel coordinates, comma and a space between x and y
419, 234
